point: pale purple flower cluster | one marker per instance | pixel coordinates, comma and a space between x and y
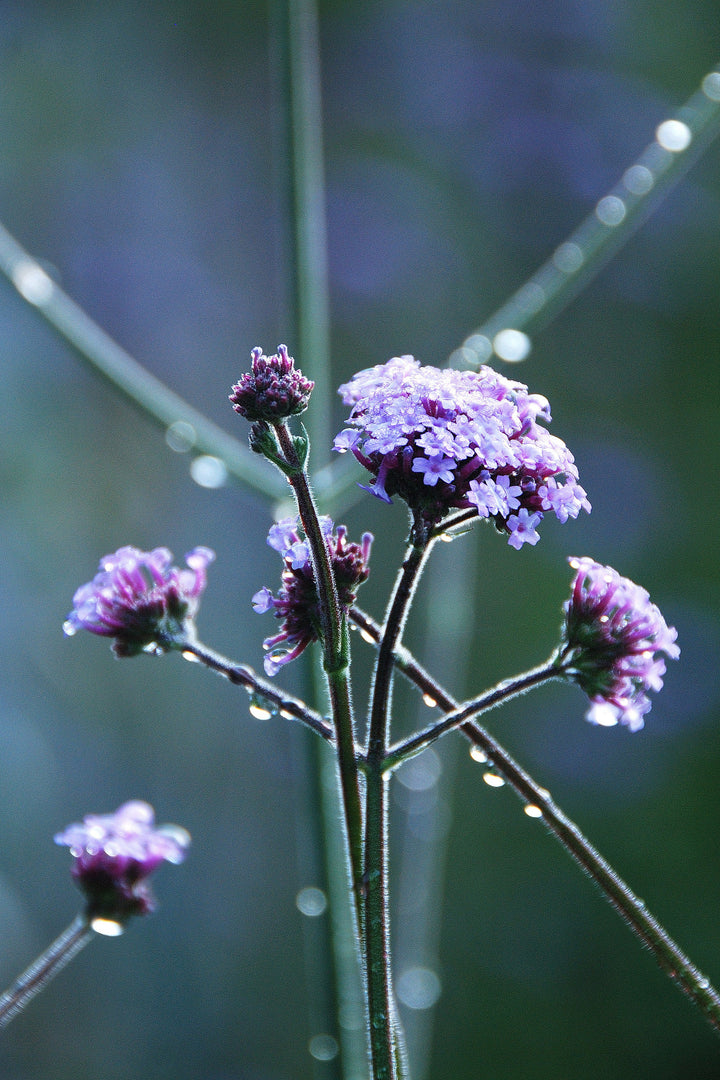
612, 640
273, 389
114, 855
444, 439
140, 599
297, 600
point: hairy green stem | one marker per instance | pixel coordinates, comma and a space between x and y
669, 956
386, 1038
460, 714
336, 650
241, 675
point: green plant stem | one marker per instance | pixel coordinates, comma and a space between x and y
669, 956
336, 653
108, 359
574, 263
36, 977
241, 675
460, 714
386, 1038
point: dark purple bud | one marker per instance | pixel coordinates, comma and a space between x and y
613, 638
272, 390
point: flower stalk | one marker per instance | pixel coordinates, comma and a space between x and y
49, 964
668, 954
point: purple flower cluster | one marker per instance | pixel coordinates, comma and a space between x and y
141, 599
612, 638
272, 390
114, 855
297, 600
443, 439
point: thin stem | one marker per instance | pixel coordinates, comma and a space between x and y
241, 675
603, 233
391, 634
458, 716
36, 977
308, 177
336, 651
669, 956
111, 361
386, 1039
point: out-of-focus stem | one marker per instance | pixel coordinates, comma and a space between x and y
36, 977
110, 360
616, 217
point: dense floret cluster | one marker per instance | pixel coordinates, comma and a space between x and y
612, 640
114, 854
273, 389
297, 600
443, 439
140, 599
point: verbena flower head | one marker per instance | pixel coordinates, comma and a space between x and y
613, 638
273, 389
141, 600
297, 599
114, 854
443, 439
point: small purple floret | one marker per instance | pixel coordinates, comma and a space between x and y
141, 600
297, 599
114, 855
612, 640
443, 439
273, 389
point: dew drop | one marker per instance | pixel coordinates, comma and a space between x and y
366, 636
31, 281
481, 347
260, 710
673, 135
493, 780
462, 358
711, 86
610, 211
429, 701
323, 1048
533, 811
181, 436
208, 471
311, 901
190, 656
420, 773
703, 983
419, 988
512, 345
568, 258
69, 628
107, 927
638, 180
478, 754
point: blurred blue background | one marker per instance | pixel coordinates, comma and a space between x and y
464, 141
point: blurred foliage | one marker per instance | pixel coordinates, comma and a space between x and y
463, 141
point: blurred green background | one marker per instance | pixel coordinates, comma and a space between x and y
464, 140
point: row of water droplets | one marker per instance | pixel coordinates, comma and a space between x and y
599, 235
